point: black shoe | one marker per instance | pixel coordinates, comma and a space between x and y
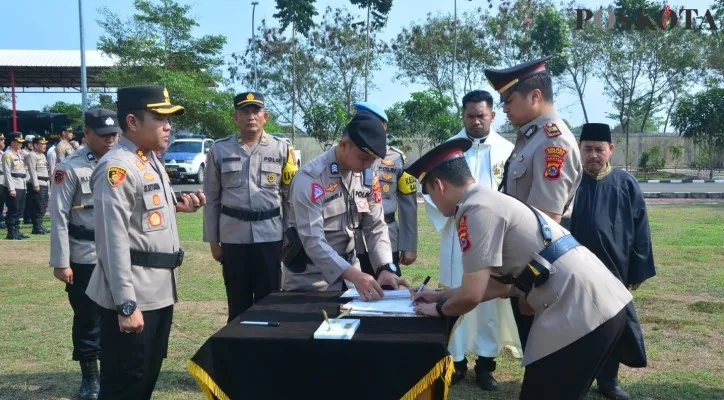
39, 230
90, 385
27, 222
484, 368
22, 235
613, 392
461, 368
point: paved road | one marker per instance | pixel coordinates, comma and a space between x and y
646, 187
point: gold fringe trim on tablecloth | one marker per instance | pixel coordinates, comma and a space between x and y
443, 369
208, 386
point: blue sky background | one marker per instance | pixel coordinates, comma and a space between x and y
53, 25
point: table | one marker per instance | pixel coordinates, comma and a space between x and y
388, 358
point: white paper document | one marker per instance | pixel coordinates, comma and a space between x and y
384, 306
389, 294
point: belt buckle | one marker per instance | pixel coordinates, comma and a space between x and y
180, 257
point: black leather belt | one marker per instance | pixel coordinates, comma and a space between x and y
152, 259
43, 178
81, 233
247, 215
17, 175
390, 218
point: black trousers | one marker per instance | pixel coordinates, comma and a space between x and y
523, 322
86, 315
3, 199
28, 211
38, 205
16, 207
131, 362
608, 375
568, 373
366, 265
251, 272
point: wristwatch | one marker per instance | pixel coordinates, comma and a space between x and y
389, 267
438, 307
127, 308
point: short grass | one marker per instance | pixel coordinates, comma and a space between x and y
682, 311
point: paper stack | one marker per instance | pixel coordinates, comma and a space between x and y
389, 294
337, 329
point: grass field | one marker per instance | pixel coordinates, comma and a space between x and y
682, 311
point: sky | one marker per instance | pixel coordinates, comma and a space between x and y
56, 28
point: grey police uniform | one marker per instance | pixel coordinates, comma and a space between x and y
247, 194
135, 216
328, 204
39, 177
399, 193
15, 181
37, 165
62, 150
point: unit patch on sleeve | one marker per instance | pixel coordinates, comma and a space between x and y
463, 234
317, 192
554, 161
551, 129
116, 175
59, 176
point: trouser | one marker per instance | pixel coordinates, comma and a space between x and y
608, 375
3, 200
16, 207
567, 374
28, 211
366, 265
39, 205
131, 362
251, 272
86, 315
523, 322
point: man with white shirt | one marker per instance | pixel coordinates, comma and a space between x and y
490, 326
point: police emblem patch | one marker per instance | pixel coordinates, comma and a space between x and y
386, 188
554, 161
463, 236
551, 129
109, 121
116, 175
271, 178
317, 192
148, 176
386, 176
331, 188
155, 219
140, 164
388, 163
156, 200
59, 176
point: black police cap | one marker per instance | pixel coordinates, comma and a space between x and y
101, 121
367, 132
246, 99
17, 136
440, 155
596, 132
504, 79
154, 98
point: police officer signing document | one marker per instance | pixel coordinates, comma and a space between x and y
512, 249
72, 240
331, 197
247, 182
137, 245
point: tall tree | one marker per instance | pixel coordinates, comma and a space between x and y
4, 100
156, 46
426, 120
325, 122
699, 118
74, 111
377, 8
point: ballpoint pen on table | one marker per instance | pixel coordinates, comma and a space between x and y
260, 323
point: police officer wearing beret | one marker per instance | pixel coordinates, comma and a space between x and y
545, 168
512, 249
38, 182
15, 175
246, 183
333, 195
137, 245
72, 240
399, 192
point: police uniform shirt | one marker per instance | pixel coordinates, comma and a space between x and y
134, 208
327, 205
38, 168
545, 167
253, 179
72, 190
580, 295
399, 193
14, 170
63, 149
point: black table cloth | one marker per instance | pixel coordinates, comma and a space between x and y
388, 357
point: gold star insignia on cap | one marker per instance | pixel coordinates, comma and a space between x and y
166, 96
250, 96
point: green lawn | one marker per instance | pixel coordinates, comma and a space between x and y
682, 310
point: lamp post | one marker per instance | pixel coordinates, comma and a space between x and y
253, 40
83, 76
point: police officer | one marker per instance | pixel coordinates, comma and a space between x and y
545, 168
24, 151
137, 245
72, 240
399, 192
579, 305
15, 175
38, 184
246, 182
63, 148
331, 197
3, 189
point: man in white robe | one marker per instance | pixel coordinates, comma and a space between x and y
490, 327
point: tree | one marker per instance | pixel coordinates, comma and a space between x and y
378, 8
4, 99
698, 117
676, 151
512, 30
325, 122
74, 111
425, 119
156, 46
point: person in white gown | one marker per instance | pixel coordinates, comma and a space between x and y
490, 327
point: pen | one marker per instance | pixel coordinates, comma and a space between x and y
260, 323
326, 318
421, 287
